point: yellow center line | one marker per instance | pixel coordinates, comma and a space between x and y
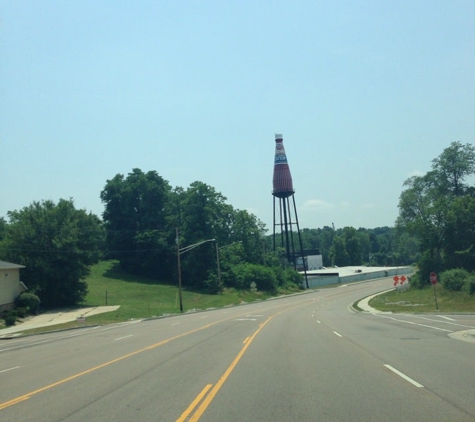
18, 400
195, 402
206, 402
103, 365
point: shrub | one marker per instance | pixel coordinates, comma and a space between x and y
416, 281
292, 277
30, 301
10, 320
245, 274
454, 279
427, 264
9, 317
469, 286
22, 312
211, 284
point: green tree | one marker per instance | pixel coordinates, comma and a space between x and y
249, 231
454, 166
136, 221
57, 244
203, 214
3, 228
438, 210
353, 246
460, 234
422, 212
339, 255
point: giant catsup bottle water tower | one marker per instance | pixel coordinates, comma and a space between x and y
286, 223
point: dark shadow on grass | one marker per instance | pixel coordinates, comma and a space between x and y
117, 273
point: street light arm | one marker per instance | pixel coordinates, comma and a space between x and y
189, 248
231, 244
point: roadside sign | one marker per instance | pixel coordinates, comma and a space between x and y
433, 280
396, 278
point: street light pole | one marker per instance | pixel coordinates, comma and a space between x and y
219, 269
179, 270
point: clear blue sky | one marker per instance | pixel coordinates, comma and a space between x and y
366, 94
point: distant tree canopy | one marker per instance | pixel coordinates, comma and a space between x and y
57, 243
438, 208
350, 246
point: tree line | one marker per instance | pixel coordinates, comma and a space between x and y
58, 243
381, 246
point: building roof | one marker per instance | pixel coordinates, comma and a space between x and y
347, 271
9, 266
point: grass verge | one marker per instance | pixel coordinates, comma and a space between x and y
141, 297
423, 300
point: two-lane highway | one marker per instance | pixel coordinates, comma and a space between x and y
306, 357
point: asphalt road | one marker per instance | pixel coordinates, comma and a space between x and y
302, 358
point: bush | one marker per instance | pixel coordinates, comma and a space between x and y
245, 274
30, 301
10, 320
454, 279
416, 282
9, 317
427, 264
292, 278
211, 284
23, 311
469, 286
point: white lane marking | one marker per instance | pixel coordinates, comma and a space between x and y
121, 338
343, 285
175, 323
318, 321
337, 334
447, 318
246, 319
9, 369
22, 346
413, 323
403, 376
449, 323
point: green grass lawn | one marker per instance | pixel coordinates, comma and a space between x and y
140, 297
423, 300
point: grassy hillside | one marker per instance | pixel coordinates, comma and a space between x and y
141, 297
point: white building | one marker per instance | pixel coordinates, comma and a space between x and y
10, 284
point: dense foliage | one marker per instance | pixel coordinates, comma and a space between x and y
143, 215
438, 208
57, 243
454, 280
349, 246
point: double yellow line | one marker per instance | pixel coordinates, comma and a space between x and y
205, 403
209, 398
